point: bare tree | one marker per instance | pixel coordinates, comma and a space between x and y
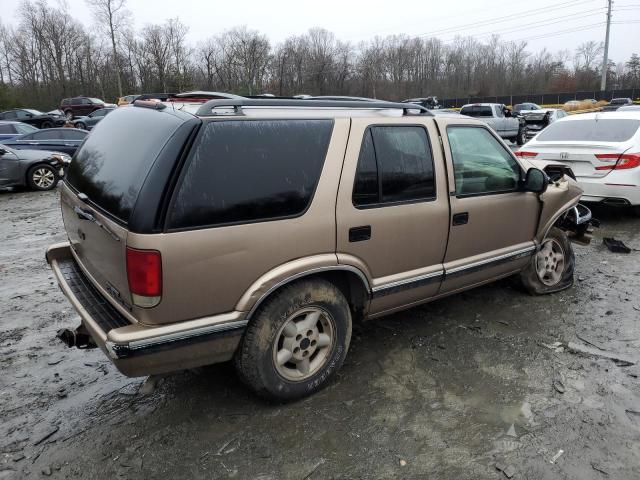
111, 16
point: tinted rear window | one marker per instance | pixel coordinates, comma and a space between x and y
246, 171
112, 164
477, 111
600, 130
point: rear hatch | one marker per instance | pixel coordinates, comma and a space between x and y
590, 147
102, 186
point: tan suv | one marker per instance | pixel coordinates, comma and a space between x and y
259, 230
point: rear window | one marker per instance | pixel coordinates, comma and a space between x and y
112, 164
253, 170
477, 111
592, 130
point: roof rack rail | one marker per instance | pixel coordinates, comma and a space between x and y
237, 104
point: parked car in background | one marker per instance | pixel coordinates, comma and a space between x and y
428, 102
525, 107
90, 121
536, 120
9, 130
498, 117
629, 108
36, 169
66, 140
127, 99
572, 103
33, 117
77, 106
602, 150
616, 103
302, 216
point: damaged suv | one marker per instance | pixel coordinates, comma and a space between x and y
259, 229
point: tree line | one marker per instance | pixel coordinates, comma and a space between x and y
49, 55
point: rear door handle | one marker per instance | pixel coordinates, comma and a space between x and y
360, 234
460, 219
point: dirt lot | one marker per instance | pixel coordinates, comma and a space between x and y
448, 390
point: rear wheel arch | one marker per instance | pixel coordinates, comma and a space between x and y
349, 280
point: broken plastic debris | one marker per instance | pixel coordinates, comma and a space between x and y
622, 360
556, 456
615, 246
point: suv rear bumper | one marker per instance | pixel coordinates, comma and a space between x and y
136, 349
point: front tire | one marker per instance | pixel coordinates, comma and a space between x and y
551, 268
296, 341
46, 124
42, 177
69, 115
521, 138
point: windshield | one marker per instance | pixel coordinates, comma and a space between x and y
95, 100
111, 173
477, 111
592, 130
33, 112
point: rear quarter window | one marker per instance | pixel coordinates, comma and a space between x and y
112, 164
592, 130
251, 170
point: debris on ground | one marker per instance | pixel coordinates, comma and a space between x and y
509, 471
620, 359
403, 462
555, 346
558, 385
615, 246
598, 468
589, 342
555, 458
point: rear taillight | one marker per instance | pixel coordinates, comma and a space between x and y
624, 161
526, 154
144, 272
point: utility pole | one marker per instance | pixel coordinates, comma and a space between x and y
605, 63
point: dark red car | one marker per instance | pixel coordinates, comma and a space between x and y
79, 106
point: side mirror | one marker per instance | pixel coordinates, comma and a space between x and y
536, 181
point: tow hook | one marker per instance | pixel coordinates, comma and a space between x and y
78, 338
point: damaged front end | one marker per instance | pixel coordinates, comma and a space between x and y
560, 205
578, 223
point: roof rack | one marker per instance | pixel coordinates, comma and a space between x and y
237, 104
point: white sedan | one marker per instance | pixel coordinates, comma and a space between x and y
602, 150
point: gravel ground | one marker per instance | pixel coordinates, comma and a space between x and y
462, 388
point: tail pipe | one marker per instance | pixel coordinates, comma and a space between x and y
78, 338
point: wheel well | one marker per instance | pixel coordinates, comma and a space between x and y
31, 167
350, 284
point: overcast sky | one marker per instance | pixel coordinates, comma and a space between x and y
556, 25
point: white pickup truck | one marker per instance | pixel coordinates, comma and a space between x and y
499, 118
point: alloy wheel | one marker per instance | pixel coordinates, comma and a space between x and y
44, 177
304, 343
550, 262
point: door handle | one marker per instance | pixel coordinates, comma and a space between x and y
360, 234
460, 219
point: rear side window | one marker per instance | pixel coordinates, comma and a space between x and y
253, 170
112, 164
477, 111
395, 165
47, 135
72, 134
7, 129
592, 130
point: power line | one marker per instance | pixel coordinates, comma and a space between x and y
532, 12
543, 22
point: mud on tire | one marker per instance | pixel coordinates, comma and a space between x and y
537, 284
271, 332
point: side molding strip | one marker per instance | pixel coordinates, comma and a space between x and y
401, 285
490, 262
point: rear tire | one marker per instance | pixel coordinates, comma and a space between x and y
80, 125
521, 138
296, 341
551, 268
